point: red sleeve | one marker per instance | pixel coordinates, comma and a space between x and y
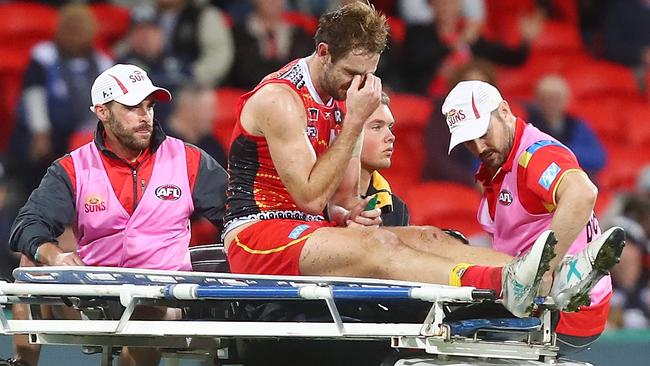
193, 157
545, 169
68, 165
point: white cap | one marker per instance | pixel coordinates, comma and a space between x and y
467, 110
125, 84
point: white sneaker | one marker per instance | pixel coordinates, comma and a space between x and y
577, 274
522, 276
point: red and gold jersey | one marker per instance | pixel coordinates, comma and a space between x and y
255, 191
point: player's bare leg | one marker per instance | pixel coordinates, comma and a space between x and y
435, 241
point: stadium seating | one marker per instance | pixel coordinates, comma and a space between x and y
226, 116
636, 116
397, 30
603, 114
25, 23
558, 37
411, 114
112, 24
623, 166
445, 205
307, 22
600, 78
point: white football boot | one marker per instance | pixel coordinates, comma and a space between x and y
522, 276
577, 274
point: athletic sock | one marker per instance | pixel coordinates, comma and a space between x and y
485, 277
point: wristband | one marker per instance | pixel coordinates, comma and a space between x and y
36, 256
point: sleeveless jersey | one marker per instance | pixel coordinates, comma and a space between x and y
255, 191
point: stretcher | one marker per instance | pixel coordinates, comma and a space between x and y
404, 323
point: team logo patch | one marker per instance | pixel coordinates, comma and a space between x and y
94, 204
549, 176
168, 192
295, 233
454, 117
505, 197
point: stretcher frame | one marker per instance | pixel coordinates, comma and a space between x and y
203, 338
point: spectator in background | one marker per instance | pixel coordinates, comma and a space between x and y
632, 204
460, 165
630, 278
442, 34
145, 49
55, 85
264, 43
627, 33
198, 33
549, 113
591, 14
193, 118
8, 259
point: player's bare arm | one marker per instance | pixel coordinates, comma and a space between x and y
575, 198
277, 113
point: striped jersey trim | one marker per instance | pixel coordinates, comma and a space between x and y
269, 251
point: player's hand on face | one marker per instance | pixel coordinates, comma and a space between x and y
363, 97
360, 217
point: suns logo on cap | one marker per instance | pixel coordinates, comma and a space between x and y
94, 204
505, 197
136, 76
168, 192
454, 116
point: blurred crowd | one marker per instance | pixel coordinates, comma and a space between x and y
577, 69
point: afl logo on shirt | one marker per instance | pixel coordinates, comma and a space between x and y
94, 204
168, 192
505, 197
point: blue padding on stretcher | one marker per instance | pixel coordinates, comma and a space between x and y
222, 292
369, 293
470, 326
265, 292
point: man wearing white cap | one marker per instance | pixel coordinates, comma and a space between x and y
128, 194
532, 183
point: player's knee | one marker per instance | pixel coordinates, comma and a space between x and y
381, 246
383, 242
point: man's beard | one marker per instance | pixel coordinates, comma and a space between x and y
126, 137
330, 88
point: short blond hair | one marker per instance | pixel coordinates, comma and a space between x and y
356, 26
